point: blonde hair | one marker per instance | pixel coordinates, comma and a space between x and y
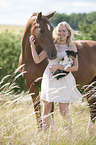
68, 27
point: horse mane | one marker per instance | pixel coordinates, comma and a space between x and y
34, 14
29, 24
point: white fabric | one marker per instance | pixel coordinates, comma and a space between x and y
63, 90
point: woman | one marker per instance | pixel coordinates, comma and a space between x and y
63, 90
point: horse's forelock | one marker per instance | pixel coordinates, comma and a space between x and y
34, 16
36, 24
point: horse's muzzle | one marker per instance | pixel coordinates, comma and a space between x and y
52, 55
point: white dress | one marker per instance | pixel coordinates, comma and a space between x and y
63, 90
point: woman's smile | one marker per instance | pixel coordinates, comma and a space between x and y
63, 33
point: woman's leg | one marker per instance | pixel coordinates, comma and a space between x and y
64, 109
47, 106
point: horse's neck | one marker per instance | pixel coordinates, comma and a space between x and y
25, 45
38, 49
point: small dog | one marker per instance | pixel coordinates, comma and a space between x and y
68, 60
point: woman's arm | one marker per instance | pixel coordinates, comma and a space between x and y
53, 68
73, 68
37, 58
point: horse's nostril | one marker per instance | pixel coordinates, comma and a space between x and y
54, 55
51, 55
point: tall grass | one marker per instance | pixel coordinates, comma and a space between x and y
18, 123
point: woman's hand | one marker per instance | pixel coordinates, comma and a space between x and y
37, 58
32, 40
53, 68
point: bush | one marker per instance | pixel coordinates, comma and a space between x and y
10, 48
88, 31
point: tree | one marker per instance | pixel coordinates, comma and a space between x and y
59, 18
88, 31
90, 17
74, 19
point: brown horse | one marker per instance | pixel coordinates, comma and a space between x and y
39, 26
86, 73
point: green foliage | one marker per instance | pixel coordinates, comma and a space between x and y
59, 18
88, 31
74, 19
90, 17
10, 48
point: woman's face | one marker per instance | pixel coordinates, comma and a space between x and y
63, 33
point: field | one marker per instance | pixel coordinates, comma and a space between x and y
11, 28
18, 123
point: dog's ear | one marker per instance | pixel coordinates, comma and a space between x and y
68, 52
75, 53
72, 53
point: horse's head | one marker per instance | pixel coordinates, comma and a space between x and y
42, 30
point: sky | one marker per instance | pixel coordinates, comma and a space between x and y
17, 12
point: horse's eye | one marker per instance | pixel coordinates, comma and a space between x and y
41, 30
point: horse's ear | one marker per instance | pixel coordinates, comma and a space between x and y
39, 16
50, 15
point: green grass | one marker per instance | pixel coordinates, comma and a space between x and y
11, 28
